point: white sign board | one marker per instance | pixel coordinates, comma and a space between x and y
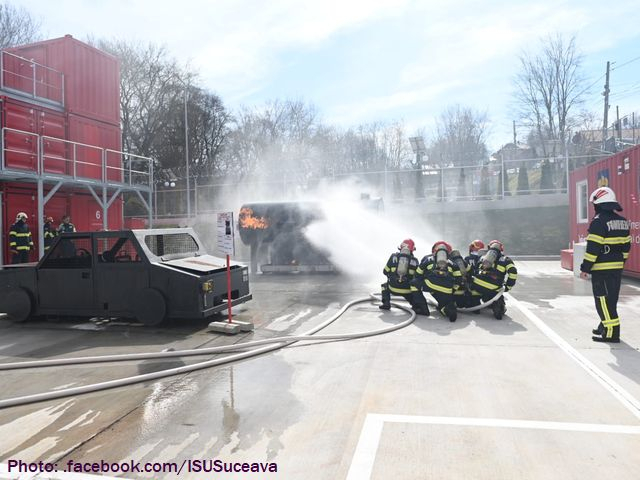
224, 233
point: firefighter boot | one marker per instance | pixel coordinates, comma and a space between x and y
498, 308
450, 311
419, 304
599, 330
614, 338
386, 299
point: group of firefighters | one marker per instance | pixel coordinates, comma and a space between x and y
481, 277
21, 242
454, 282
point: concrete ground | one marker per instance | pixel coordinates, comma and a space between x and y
527, 397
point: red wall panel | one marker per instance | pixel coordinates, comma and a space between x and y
91, 76
621, 172
92, 132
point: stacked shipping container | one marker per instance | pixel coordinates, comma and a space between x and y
66, 95
621, 172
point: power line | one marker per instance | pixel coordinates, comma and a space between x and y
626, 63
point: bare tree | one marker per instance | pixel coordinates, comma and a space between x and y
17, 26
460, 139
549, 88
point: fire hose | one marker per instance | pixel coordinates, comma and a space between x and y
265, 346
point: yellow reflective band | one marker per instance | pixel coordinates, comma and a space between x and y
617, 240
419, 271
46, 248
399, 290
457, 273
27, 247
484, 284
438, 288
611, 323
13, 232
608, 266
475, 293
386, 269
501, 268
609, 333
22, 234
590, 258
595, 238
459, 292
412, 272
12, 244
414, 289
625, 255
605, 310
393, 269
513, 276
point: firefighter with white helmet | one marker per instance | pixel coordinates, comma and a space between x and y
20, 241
494, 271
400, 271
438, 275
608, 246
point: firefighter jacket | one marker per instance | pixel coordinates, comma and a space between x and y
20, 237
49, 235
502, 274
397, 284
66, 228
472, 262
608, 243
433, 279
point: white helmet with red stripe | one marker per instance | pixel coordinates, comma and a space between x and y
602, 195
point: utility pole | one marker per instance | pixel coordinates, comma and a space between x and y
618, 126
605, 125
514, 133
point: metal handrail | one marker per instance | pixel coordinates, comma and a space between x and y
34, 81
71, 156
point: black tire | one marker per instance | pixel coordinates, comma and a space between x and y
17, 304
150, 307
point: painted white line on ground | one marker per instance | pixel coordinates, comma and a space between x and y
628, 400
365, 454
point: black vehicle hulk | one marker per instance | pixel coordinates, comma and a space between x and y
150, 275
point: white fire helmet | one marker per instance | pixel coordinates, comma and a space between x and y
602, 195
21, 216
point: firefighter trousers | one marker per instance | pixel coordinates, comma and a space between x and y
606, 289
415, 298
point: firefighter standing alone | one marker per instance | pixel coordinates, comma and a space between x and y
49, 233
608, 245
20, 241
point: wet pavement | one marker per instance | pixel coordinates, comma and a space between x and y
530, 396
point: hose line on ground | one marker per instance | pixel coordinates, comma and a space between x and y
280, 342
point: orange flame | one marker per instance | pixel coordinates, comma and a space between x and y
248, 220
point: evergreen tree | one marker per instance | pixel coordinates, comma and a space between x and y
523, 181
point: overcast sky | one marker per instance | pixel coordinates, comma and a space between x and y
374, 60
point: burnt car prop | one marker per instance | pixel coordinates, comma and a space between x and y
275, 233
150, 275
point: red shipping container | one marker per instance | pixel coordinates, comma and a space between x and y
86, 214
27, 121
98, 135
91, 76
620, 172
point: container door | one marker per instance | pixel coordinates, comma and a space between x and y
20, 137
65, 277
54, 149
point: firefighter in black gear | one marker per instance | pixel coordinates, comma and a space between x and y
49, 233
495, 271
608, 245
476, 250
20, 241
66, 226
461, 293
439, 276
400, 271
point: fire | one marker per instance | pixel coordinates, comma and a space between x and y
248, 220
